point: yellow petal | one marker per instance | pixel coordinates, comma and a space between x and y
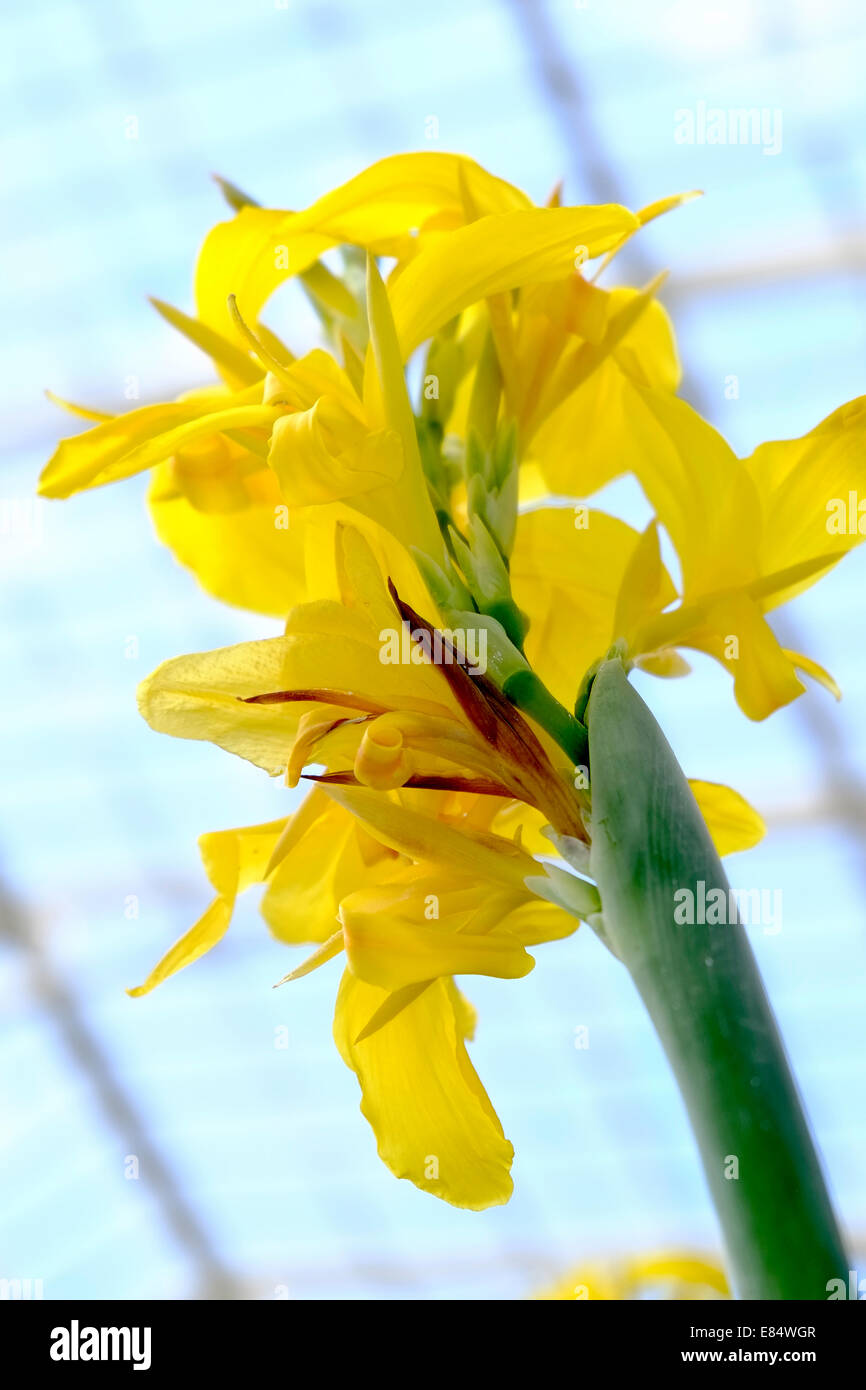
238, 367
645, 215
689, 1274
702, 494
732, 822
84, 411
668, 664
314, 806
424, 838
535, 922
176, 440
663, 205
326, 865
432, 1118
500, 252
385, 947
646, 588
328, 950
349, 647
402, 191
599, 414
317, 374
379, 208
589, 1281
319, 455
236, 859
580, 361
252, 557
516, 820
601, 411
202, 696
248, 257
738, 636
349, 558
233, 860
566, 570
810, 490
210, 928
404, 508
818, 673
109, 452
367, 556
648, 351
668, 1275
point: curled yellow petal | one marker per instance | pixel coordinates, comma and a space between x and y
381, 761
249, 256
320, 455
818, 673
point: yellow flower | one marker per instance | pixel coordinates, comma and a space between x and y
567, 352
327, 693
298, 437
390, 539
393, 208
415, 887
416, 853
213, 499
282, 434
671, 1274
750, 534
413, 898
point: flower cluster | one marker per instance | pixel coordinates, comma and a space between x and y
423, 473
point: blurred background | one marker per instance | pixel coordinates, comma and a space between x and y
257, 1176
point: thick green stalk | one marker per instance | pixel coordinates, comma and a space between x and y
703, 992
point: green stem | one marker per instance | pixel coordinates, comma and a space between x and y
703, 992
531, 695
